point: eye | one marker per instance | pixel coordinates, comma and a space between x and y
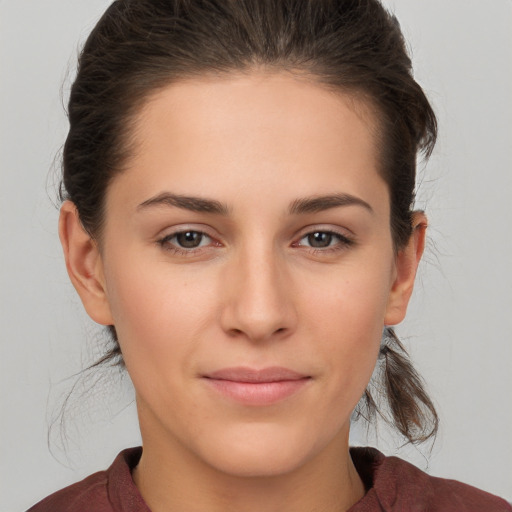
320, 239
186, 240
324, 240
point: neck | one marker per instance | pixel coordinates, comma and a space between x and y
169, 477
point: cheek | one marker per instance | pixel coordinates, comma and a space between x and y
346, 321
158, 314
350, 302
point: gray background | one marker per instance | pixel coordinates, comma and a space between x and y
460, 323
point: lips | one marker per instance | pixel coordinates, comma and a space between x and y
254, 387
243, 374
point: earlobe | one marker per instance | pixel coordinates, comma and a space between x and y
407, 261
84, 264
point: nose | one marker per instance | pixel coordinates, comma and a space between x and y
258, 297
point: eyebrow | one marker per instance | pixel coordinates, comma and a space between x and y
317, 204
300, 206
194, 204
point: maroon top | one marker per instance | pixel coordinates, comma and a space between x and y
393, 486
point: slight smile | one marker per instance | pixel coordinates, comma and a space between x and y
257, 387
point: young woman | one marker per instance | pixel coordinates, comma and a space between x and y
238, 187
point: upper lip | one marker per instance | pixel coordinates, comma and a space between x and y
246, 374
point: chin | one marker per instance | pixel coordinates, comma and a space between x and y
260, 451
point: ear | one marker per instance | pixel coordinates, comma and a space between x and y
84, 264
406, 264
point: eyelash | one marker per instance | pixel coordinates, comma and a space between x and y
167, 245
343, 242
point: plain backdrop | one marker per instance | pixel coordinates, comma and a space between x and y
460, 323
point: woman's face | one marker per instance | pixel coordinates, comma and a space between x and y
248, 267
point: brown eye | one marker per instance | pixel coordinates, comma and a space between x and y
185, 240
324, 240
189, 239
320, 239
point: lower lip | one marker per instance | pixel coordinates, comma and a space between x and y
257, 393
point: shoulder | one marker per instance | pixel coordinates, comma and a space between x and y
105, 491
397, 485
92, 491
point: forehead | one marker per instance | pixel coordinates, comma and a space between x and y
254, 131
256, 100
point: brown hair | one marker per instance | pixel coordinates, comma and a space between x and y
354, 46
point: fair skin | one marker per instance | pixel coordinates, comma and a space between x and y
289, 262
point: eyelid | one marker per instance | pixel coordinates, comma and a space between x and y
183, 228
163, 239
326, 228
171, 236
346, 238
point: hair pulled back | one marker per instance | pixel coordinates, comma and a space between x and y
352, 46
